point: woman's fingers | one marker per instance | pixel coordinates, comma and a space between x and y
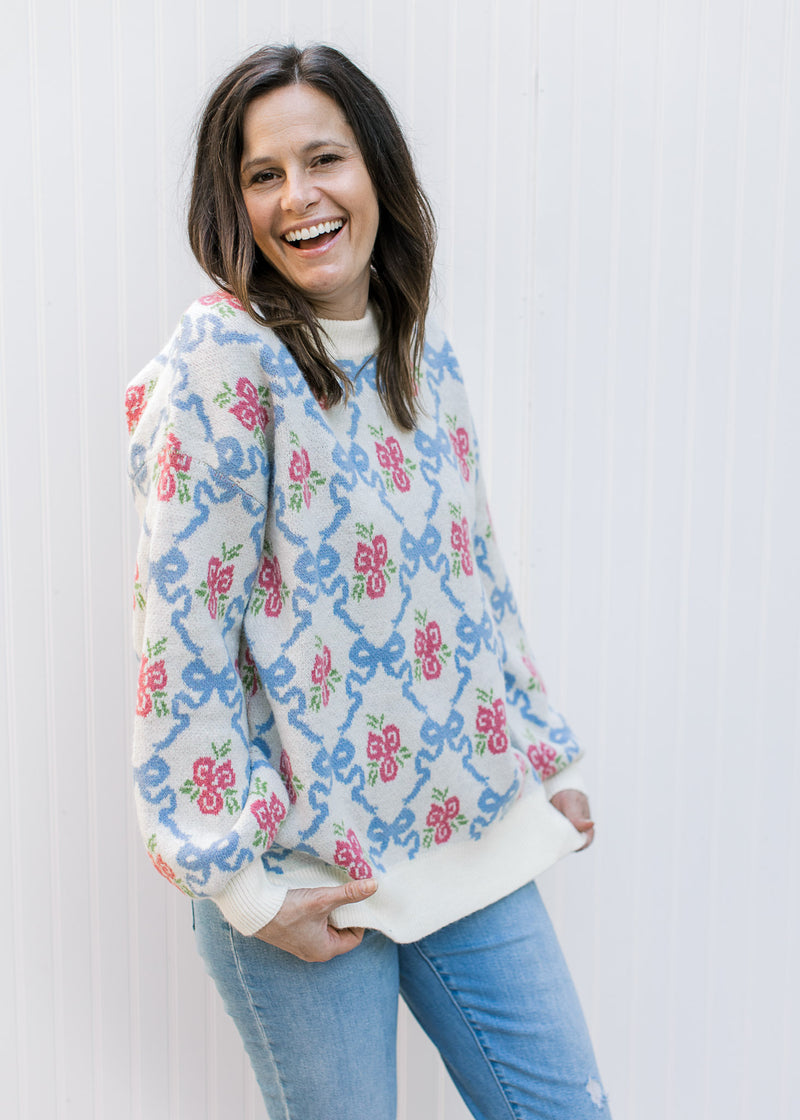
354, 891
583, 824
343, 940
575, 807
301, 926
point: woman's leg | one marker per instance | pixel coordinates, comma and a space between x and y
321, 1037
493, 993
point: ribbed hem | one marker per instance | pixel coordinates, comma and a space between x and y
425, 894
415, 898
352, 340
251, 899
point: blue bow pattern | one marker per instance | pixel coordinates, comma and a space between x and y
331, 658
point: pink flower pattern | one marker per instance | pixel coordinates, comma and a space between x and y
220, 581
213, 298
460, 441
135, 400
152, 678
350, 855
427, 644
162, 867
321, 672
285, 770
305, 479
213, 779
391, 458
370, 561
249, 410
268, 816
536, 678
491, 722
441, 817
248, 673
543, 758
459, 539
382, 747
271, 581
171, 461
300, 472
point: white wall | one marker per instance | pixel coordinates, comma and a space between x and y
620, 268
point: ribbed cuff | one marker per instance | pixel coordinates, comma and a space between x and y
572, 777
251, 899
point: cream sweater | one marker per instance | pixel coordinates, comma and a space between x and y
333, 679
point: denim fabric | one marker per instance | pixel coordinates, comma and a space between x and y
492, 991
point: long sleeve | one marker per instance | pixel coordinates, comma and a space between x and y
209, 801
535, 726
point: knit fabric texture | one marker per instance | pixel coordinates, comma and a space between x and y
333, 677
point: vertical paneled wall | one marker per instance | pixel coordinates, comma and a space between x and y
619, 267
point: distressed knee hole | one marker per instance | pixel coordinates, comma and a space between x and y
596, 1092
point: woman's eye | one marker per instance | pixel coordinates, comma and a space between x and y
263, 177
328, 157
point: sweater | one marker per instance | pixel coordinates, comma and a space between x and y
333, 677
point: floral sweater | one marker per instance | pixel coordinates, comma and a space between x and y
333, 677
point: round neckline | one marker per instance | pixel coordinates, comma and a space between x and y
352, 339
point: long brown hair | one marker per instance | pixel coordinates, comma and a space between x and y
402, 260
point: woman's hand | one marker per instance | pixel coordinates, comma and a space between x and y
575, 807
301, 925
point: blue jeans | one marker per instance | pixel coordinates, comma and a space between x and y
492, 992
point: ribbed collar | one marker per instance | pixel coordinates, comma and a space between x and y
352, 339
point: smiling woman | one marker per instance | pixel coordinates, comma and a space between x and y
311, 203
237, 159
344, 752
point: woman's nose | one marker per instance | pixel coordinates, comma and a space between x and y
298, 193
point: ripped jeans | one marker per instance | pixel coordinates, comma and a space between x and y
492, 991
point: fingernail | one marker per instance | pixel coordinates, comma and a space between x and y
369, 884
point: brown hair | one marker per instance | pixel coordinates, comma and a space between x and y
402, 260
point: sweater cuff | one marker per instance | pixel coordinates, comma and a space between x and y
250, 900
572, 777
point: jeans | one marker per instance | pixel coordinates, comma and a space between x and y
492, 991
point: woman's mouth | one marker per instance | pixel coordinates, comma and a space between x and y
314, 236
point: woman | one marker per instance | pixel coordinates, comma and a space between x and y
343, 746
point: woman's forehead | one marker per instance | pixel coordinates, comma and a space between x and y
297, 116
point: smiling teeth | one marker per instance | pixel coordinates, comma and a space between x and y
314, 231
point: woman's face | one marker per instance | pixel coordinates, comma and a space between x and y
311, 202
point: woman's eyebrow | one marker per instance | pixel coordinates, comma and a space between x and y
310, 147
